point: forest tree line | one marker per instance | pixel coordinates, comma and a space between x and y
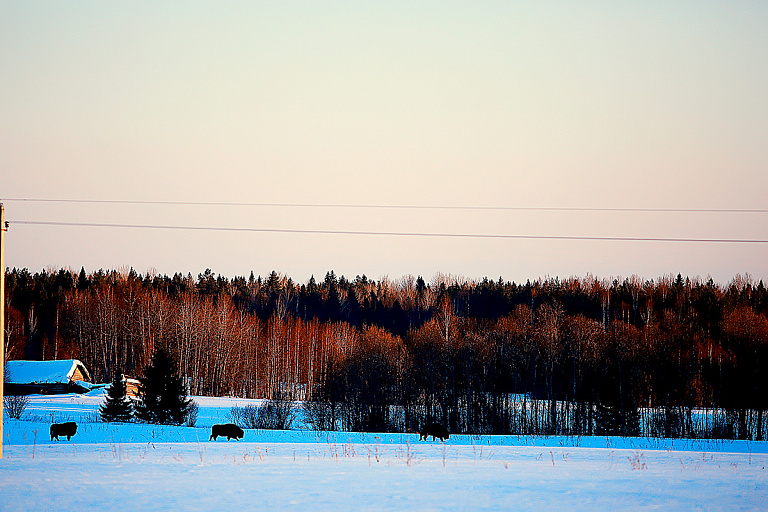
576, 356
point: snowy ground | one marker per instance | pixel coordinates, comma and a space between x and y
146, 467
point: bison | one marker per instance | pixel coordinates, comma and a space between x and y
68, 429
435, 430
228, 430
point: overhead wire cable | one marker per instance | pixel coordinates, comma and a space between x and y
393, 233
395, 206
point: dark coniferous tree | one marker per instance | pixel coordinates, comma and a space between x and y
352, 307
162, 394
117, 406
332, 307
314, 300
82, 280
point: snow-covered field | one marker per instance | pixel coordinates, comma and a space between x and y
148, 467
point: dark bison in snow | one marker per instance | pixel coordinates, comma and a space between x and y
435, 430
68, 429
228, 430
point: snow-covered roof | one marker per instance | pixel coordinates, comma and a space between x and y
43, 372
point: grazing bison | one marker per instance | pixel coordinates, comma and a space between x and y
68, 429
228, 430
435, 430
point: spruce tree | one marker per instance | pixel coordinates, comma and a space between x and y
117, 406
162, 393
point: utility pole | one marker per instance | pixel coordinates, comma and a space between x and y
3, 229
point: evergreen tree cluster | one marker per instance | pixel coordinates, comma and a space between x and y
162, 395
117, 406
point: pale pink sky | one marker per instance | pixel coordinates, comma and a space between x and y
504, 104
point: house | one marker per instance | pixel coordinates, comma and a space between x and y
46, 377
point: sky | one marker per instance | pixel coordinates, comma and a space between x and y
557, 117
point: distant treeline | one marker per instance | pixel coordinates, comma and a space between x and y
573, 356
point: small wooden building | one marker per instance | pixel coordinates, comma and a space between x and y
131, 387
46, 377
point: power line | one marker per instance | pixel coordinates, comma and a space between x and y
395, 233
394, 206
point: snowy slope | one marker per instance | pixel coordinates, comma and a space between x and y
146, 467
